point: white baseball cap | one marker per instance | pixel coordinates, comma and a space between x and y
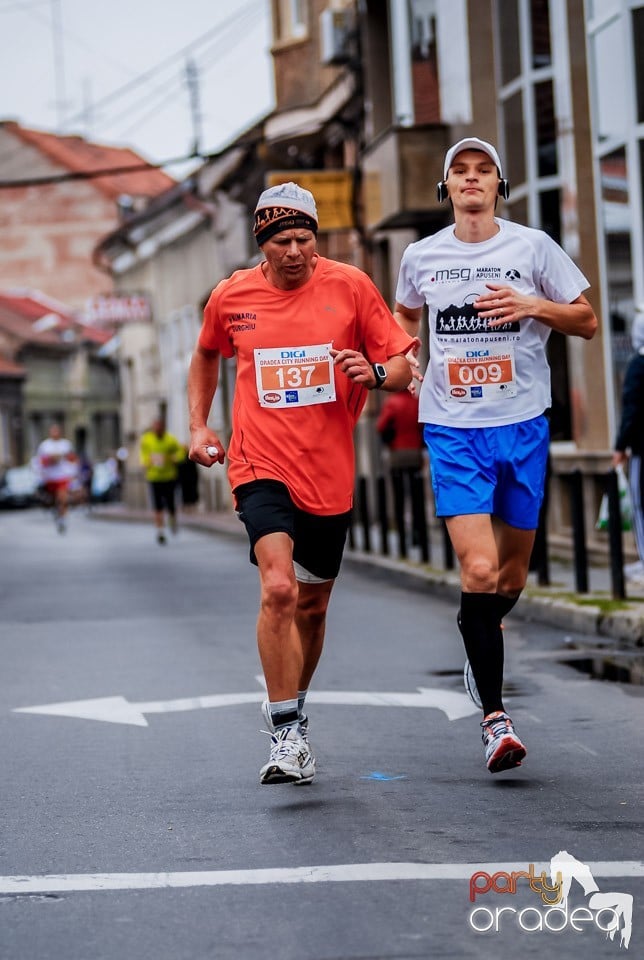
472, 143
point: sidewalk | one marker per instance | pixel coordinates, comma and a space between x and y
619, 624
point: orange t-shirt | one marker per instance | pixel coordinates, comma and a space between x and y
293, 413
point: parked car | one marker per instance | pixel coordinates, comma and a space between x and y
106, 484
19, 487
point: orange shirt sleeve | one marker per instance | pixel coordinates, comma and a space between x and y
213, 334
383, 337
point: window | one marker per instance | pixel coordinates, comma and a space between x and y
292, 19
546, 128
508, 14
518, 209
540, 23
513, 124
549, 214
638, 48
424, 62
610, 80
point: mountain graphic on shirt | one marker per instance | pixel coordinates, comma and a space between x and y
457, 321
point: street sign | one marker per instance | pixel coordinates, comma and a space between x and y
110, 309
332, 189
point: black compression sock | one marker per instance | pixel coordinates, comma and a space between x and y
483, 640
505, 604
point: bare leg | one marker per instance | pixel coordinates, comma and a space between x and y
291, 621
475, 545
514, 550
279, 645
310, 622
494, 559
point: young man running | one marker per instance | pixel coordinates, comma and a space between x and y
310, 337
495, 290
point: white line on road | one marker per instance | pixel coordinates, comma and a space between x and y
343, 872
118, 709
586, 749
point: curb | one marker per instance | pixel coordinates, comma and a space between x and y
624, 626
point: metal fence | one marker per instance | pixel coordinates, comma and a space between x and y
391, 515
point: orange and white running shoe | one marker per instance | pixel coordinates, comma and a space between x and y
503, 749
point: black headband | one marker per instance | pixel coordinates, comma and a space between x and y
272, 220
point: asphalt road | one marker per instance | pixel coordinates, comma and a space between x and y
133, 824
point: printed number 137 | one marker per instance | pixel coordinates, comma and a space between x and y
295, 376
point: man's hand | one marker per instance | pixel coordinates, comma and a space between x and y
504, 305
620, 458
202, 439
412, 359
355, 365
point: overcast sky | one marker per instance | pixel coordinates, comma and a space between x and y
115, 70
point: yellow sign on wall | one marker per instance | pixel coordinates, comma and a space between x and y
332, 189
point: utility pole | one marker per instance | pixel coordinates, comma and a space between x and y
88, 107
192, 79
59, 64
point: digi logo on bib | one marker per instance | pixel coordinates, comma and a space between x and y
476, 391
291, 396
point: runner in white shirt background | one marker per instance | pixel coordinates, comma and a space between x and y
57, 465
495, 290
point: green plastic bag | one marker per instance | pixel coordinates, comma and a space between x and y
625, 508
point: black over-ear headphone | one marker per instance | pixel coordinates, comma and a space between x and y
503, 191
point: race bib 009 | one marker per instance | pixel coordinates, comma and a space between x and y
294, 376
480, 374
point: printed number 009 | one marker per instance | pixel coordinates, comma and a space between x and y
295, 376
481, 373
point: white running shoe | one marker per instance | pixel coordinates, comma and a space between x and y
468, 677
470, 685
290, 760
303, 721
503, 749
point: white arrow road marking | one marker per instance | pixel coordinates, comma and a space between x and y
119, 710
342, 872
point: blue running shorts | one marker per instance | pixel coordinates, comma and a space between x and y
494, 470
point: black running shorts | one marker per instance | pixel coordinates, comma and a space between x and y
162, 493
265, 506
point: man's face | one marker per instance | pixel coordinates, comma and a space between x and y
473, 181
289, 257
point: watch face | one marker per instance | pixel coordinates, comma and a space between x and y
380, 373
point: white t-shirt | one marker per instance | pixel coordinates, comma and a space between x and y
53, 460
480, 377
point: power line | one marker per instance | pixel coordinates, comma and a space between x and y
94, 174
153, 101
25, 7
180, 55
143, 167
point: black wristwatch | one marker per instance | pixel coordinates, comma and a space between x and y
380, 373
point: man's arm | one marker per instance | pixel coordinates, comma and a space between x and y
408, 318
505, 305
359, 369
203, 377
